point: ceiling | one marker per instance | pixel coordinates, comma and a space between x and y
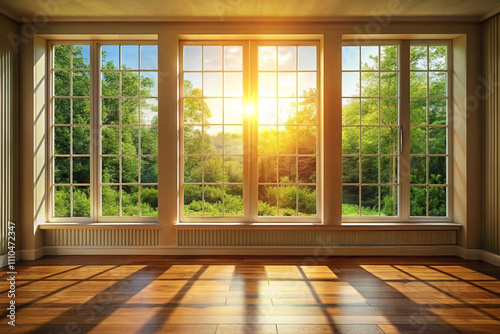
248, 10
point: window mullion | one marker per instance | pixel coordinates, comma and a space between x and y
252, 180
95, 147
404, 122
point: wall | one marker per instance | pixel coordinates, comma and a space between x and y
491, 93
169, 238
8, 112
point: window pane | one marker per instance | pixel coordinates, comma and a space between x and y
350, 169
110, 83
81, 170
110, 201
62, 140
62, 201
149, 170
130, 201
418, 200
233, 201
193, 169
62, 170
62, 83
62, 111
130, 57
192, 58
350, 201
437, 57
81, 56
81, 140
369, 57
149, 84
81, 111
110, 140
110, 170
62, 56
130, 111
267, 58
213, 198
130, 169
130, 84
193, 200
149, 201
81, 201
418, 57
81, 83
149, 57
149, 140
307, 58
267, 205
350, 58
212, 58
110, 57
233, 58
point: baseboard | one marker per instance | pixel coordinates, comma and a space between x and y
491, 258
4, 259
32, 254
469, 254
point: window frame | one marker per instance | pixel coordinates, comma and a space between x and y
250, 123
95, 134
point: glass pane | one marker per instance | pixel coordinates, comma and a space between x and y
369, 112
350, 58
149, 169
193, 143
149, 140
149, 111
307, 200
110, 170
193, 111
369, 201
369, 169
233, 201
213, 198
130, 111
110, 201
130, 84
389, 58
110, 140
130, 169
267, 205
287, 84
81, 56
233, 169
350, 111
61, 140
130, 201
213, 111
130, 57
193, 169
418, 201
418, 170
149, 57
110, 57
81, 170
267, 58
213, 142
267, 85
212, 169
267, 111
350, 169
389, 140
418, 57
81, 201
149, 84
307, 169
437, 170
62, 111
267, 169
306, 136
307, 84
110, 84
389, 112
388, 201
130, 140
350, 140
267, 140
233, 58
437, 140
350, 201
418, 114
62, 83
81, 111
81, 83
418, 141
287, 169
287, 111
307, 58
369, 58
287, 203
62, 201
193, 84
287, 140
193, 200
437, 57
437, 201
437, 84
287, 58
233, 140
369, 140
350, 84
437, 111
233, 111
369, 84
212, 58
62, 56
233, 84
62, 170
81, 140
418, 84
192, 58
389, 84
212, 84
389, 170
306, 114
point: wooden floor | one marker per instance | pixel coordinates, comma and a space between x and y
125, 294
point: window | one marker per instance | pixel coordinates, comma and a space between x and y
242, 165
380, 178
104, 154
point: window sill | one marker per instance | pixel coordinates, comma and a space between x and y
316, 226
79, 226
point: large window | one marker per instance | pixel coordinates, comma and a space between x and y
104, 131
380, 178
241, 164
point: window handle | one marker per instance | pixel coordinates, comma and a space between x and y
401, 139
